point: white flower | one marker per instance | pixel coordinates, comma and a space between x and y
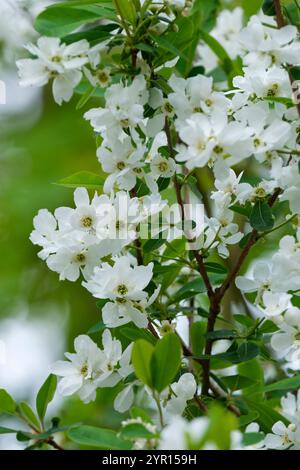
79, 374
291, 407
162, 167
269, 45
269, 131
124, 285
287, 341
209, 138
124, 399
222, 232
86, 216
260, 281
100, 77
282, 438
195, 95
287, 263
70, 261
15, 30
115, 364
275, 304
45, 232
182, 391
56, 60
229, 24
91, 367
180, 434
122, 161
124, 107
263, 83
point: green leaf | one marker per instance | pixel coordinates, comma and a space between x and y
227, 64
93, 35
136, 412
248, 418
221, 424
155, 243
197, 333
45, 395
202, 17
83, 179
261, 217
285, 384
4, 430
254, 371
221, 334
166, 275
237, 382
244, 353
7, 403
268, 327
168, 46
141, 359
29, 415
97, 328
190, 289
215, 268
252, 7
165, 361
85, 97
126, 10
134, 334
251, 438
100, 438
136, 431
267, 416
288, 102
58, 22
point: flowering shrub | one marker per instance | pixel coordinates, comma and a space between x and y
196, 118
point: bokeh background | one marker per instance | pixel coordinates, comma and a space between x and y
40, 143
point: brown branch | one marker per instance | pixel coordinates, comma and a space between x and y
279, 16
152, 329
54, 444
221, 291
201, 404
198, 257
218, 393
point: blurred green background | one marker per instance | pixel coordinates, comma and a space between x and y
38, 147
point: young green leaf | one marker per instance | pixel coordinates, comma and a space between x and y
134, 333
29, 415
4, 430
135, 431
252, 438
261, 217
141, 359
165, 361
7, 403
45, 395
57, 22
126, 9
285, 384
100, 438
84, 179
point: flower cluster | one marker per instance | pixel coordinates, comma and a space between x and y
90, 367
